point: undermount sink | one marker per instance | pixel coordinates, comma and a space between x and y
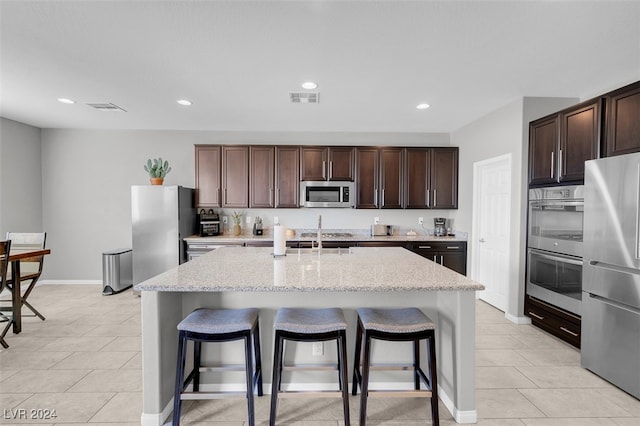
309, 250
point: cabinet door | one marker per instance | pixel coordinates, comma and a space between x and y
287, 181
367, 178
444, 178
417, 178
261, 176
391, 178
543, 137
579, 140
623, 120
454, 260
340, 166
313, 163
208, 175
235, 176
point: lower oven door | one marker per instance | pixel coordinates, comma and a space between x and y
555, 279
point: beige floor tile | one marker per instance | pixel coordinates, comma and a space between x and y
572, 403
76, 344
5, 373
499, 358
135, 362
541, 341
635, 421
498, 422
501, 378
109, 381
221, 410
24, 343
126, 344
69, 408
30, 381
551, 356
497, 341
562, 377
123, 407
93, 360
10, 360
49, 329
12, 400
504, 403
126, 330
569, 422
622, 399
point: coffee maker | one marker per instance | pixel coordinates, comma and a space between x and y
439, 226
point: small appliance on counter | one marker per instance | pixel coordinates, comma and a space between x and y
209, 223
257, 226
381, 230
439, 226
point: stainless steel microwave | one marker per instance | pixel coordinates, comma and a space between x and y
327, 194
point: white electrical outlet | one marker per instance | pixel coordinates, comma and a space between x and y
248, 219
225, 220
420, 220
376, 220
276, 220
318, 349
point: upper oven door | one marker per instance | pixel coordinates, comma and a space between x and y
556, 219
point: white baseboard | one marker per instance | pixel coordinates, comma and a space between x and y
160, 419
516, 319
75, 282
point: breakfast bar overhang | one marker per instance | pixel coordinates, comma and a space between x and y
236, 277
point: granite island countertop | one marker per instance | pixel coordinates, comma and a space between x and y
255, 269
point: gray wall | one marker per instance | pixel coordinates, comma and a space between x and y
20, 178
504, 131
87, 205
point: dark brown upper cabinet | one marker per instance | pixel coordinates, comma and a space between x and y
261, 176
391, 178
367, 172
431, 178
326, 163
208, 184
623, 120
559, 144
235, 176
287, 176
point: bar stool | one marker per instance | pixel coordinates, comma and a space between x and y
309, 325
218, 325
400, 325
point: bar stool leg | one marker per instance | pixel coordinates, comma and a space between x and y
275, 382
182, 354
364, 384
344, 384
416, 364
357, 359
197, 351
433, 381
249, 374
258, 359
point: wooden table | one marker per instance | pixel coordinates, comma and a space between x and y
15, 256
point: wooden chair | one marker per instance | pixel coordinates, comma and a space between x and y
4, 262
30, 269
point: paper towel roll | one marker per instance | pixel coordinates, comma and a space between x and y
279, 240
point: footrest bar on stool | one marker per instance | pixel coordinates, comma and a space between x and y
213, 395
400, 393
310, 394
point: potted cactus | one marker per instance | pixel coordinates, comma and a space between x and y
157, 170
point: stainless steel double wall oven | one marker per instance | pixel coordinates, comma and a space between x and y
554, 272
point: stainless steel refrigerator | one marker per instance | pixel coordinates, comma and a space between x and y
611, 271
161, 216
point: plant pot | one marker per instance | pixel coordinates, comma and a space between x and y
237, 230
157, 181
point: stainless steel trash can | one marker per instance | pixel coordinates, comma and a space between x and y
117, 273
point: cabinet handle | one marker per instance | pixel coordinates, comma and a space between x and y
271, 197
560, 163
424, 247
382, 199
225, 195
453, 247
551, 164
434, 258
427, 197
324, 172
536, 315
435, 198
375, 197
219, 195
441, 260
330, 169
569, 331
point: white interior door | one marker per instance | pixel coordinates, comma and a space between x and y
491, 229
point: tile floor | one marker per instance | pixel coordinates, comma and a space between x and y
84, 362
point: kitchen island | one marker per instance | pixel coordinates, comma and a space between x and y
236, 277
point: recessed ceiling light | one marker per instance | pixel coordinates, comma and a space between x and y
184, 102
66, 101
422, 106
310, 85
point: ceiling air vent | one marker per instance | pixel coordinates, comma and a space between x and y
304, 97
107, 107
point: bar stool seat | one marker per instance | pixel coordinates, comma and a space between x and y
309, 325
406, 325
218, 325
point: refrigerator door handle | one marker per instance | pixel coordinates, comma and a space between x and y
615, 268
615, 304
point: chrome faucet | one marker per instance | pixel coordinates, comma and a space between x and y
319, 237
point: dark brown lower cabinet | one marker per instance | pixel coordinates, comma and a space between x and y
556, 321
453, 254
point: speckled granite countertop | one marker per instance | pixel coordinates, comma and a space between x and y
254, 269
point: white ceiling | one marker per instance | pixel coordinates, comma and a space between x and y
237, 61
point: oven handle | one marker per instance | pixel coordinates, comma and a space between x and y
556, 257
551, 203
